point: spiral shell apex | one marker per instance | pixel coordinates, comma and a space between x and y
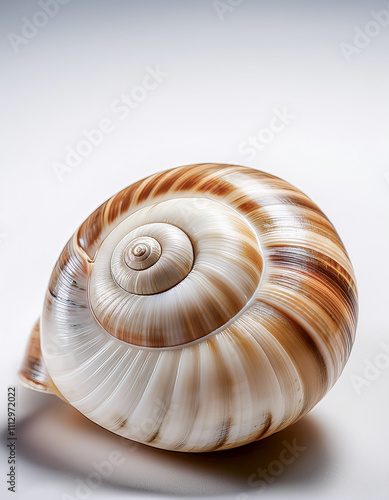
199, 309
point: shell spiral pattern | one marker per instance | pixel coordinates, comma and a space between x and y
200, 309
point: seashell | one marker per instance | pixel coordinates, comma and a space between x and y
200, 309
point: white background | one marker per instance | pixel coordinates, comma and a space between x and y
227, 73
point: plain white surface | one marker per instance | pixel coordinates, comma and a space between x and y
225, 77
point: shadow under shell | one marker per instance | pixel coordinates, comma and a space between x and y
56, 436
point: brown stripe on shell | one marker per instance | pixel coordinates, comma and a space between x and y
298, 344
288, 197
199, 178
297, 219
324, 268
315, 304
265, 428
220, 188
133, 195
176, 179
206, 182
143, 191
247, 206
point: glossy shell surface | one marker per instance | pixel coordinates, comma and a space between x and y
200, 309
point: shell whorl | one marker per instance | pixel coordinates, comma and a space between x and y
205, 267
214, 302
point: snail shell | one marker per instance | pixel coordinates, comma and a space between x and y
199, 309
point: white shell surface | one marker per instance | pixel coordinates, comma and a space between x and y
237, 370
